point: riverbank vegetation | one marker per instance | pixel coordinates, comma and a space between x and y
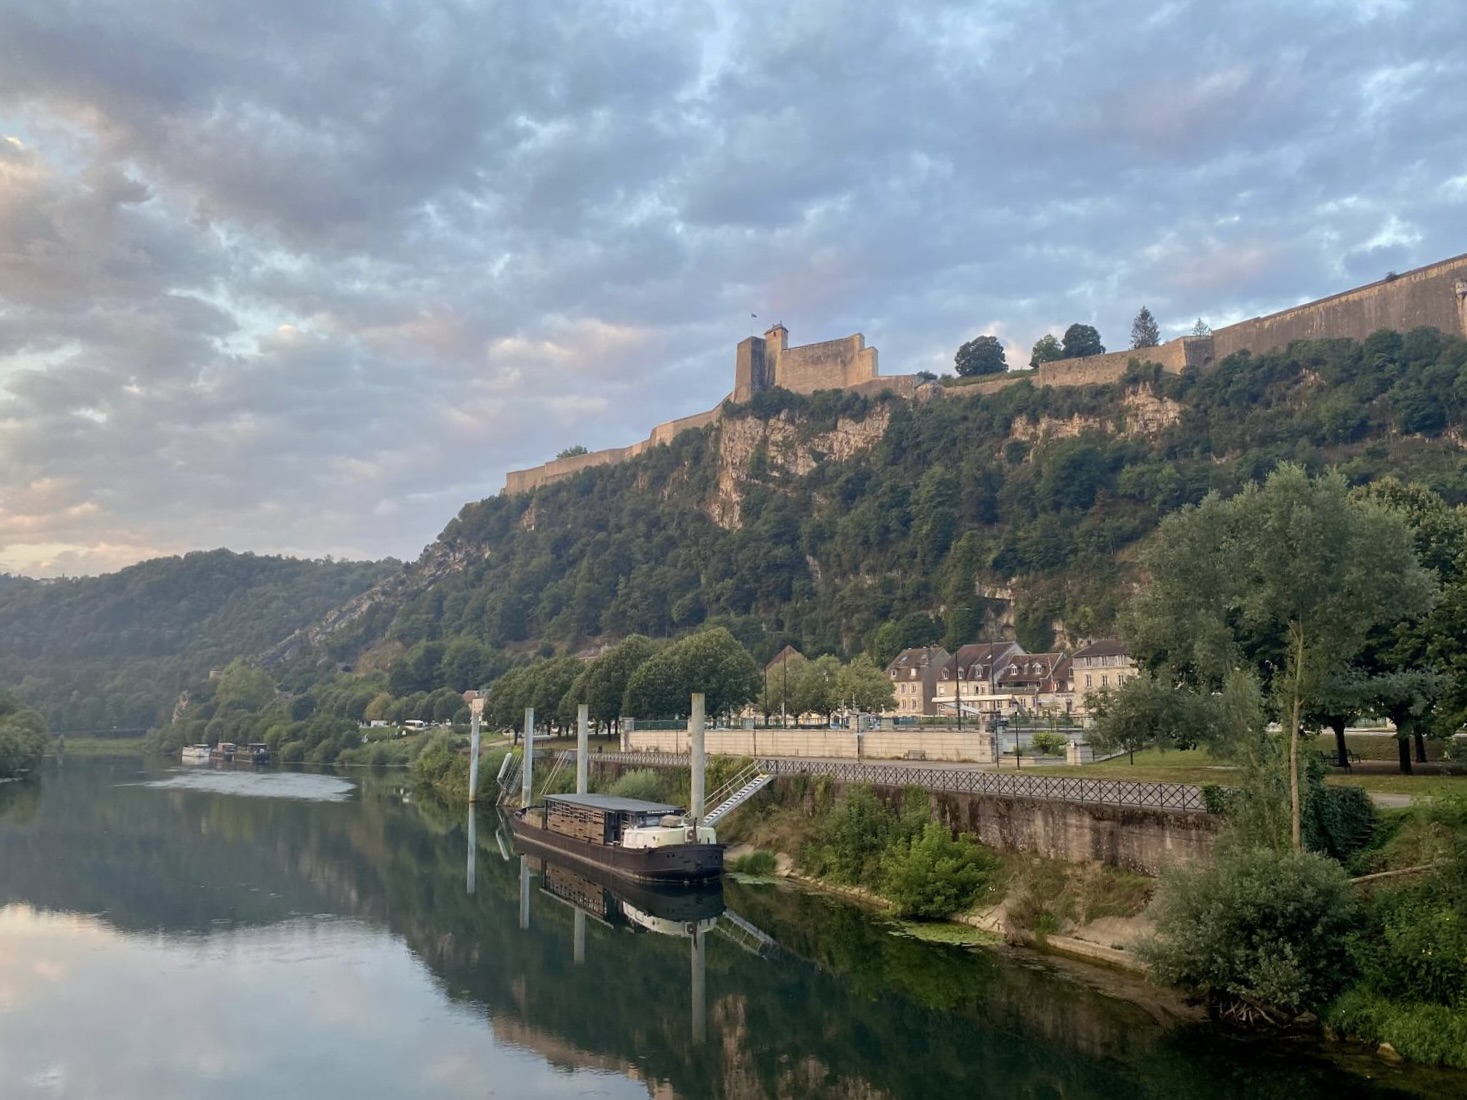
22, 738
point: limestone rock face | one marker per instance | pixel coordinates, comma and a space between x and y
782, 447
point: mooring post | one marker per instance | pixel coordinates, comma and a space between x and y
583, 745
476, 710
699, 991
473, 849
527, 773
699, 761
524, 891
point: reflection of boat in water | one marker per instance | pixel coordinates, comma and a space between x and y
196, 754
644, 841
614, 900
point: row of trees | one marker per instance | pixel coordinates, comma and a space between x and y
647, 679
22, 738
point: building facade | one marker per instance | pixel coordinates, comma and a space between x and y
915, 674
1102, 665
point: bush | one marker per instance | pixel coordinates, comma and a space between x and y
933, 875
762, 864
644, 783
1050, 743
848, 847
1428, 1033
439, 769
1260, 935
22, 742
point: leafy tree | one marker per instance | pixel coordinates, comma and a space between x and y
602, 685
242, 686
1201, 328
1082, 341
1149, 712
934, 874
1046, 350
573, 451
980, 355
1145, 333
22, 738
864, 686
1260, 934
711, 661
1292, 575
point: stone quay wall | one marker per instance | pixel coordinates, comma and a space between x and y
968, 746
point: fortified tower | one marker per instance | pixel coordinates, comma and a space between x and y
761, 363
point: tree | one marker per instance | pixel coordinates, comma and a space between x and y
1261, 934
602, 685
865, 687
1145, 333
1201, 328
711, 661
1146, 712
1291, 577
980, 355
1046, 350
1082, 341
22, 738
573, 451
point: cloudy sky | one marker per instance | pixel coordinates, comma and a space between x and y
304, 276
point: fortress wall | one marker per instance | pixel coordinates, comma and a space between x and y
522, 481
751, 369
903, 385
1174, 356
1428, 296
828, 365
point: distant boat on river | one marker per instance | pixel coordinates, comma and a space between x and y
196, 754
643, 841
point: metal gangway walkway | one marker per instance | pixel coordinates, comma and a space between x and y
736, 792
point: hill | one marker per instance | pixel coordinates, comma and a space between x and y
841, 521
116, 650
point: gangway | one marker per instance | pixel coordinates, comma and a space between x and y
748, 937
744, 786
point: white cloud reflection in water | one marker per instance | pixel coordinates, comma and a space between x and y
309, 1008
296, 785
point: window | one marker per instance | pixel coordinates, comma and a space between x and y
1087, 680
1104, 680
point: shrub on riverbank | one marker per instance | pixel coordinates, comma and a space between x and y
22, 739
1261, 935
934, 875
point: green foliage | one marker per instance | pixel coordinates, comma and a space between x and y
116, 650
440, 770
980, 355
1431, 1034
711, 661
573, 451
761, 864
1046, 350
1145, 333
934, 875
645, 783
1082, 341
1260, 933
1050, 742
22, 738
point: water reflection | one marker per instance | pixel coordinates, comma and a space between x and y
346, 948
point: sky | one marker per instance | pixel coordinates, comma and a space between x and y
305, 276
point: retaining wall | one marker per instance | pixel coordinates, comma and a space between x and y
971, 746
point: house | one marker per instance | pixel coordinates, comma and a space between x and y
1038, 683
1100, 665
915, 674
969, 678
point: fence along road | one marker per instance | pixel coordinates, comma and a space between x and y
1184, 797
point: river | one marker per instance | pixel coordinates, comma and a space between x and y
224, 934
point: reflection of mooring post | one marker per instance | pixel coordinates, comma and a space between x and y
578, 950
473, 849
524, 892
583, 745
699, 760
700, 993
476, 710
527, 780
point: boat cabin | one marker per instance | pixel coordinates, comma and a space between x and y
604, 818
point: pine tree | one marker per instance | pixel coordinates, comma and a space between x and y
1201, 328
1145, 333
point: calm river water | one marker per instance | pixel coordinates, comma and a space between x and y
212, 934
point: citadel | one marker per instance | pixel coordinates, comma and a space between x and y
1434, 296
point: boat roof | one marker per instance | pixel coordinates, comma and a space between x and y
614, 804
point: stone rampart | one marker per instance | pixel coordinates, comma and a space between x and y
1136, 839
1434, 296
1173, 356
828, 365
971, 746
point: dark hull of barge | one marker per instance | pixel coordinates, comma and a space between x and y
688, 863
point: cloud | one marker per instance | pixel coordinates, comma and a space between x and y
305, 278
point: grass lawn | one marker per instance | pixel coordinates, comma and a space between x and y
1199, 766
1156, 766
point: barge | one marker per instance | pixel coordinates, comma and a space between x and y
639, 840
